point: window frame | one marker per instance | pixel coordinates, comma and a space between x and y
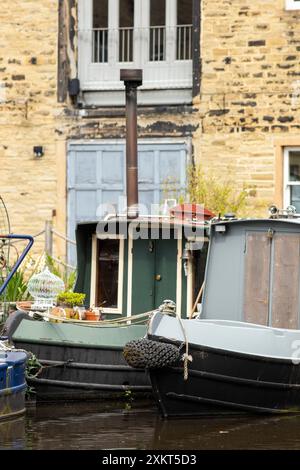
95, 268
154, 71
292, 4
286, 171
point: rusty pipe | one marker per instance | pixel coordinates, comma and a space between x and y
132, 80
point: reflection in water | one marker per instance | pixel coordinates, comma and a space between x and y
105, 426
12, 434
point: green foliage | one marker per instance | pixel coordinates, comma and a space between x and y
16, 289
33, 366
71, 298
218, 196
68, 277
170, 191
129, 399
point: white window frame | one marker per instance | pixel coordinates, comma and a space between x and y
286, 171
157, 75
292, 4
94, 267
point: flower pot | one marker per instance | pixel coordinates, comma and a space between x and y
91, 316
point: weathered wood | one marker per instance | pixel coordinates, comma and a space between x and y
66, 47
257, 278
48, 237
197, 64
285, 291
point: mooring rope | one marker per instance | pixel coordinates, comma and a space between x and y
169, 308
186, 356
97, 323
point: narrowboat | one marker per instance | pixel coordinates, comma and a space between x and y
242, 352
127, 264
128, 267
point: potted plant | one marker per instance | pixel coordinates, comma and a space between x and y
68, 301
93, 314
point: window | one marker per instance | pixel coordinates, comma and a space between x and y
155, 35
107, 274
292, 4
292, 177
157, 51
100, 32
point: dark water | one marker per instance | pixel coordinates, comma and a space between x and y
97, 426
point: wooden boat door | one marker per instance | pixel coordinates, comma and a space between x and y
272, 279
154, 273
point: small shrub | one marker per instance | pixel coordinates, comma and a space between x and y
219, 196
71, 299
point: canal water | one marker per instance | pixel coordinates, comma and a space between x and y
98, 426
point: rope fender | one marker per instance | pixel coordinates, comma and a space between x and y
145, 353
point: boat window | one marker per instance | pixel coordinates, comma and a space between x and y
257, 278
108, 255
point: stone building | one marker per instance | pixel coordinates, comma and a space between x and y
221, 87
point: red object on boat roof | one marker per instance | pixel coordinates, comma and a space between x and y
191, 212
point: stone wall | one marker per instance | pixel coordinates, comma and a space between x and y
249, 102
250, 90
28, 112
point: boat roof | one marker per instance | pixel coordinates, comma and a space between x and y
161, 220
266, 220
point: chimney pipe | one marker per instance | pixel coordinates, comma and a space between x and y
132, 79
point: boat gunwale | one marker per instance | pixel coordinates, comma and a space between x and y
227, 352
65, 343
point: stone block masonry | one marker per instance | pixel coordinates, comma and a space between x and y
250, 98
250, 89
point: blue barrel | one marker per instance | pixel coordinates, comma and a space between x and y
3, 373
17, 360
12, 383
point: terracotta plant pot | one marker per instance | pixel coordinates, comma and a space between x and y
91, 316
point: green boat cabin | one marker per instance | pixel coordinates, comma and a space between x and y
131, 266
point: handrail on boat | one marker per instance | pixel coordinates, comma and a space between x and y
21, 258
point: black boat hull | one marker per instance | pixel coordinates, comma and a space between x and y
77, 373
78, 362
220, 381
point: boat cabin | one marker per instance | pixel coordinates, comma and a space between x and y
253, 272
131, 266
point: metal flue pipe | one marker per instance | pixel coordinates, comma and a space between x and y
132, 79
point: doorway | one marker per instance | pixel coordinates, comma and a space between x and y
154, 273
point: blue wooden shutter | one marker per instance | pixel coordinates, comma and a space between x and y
97, 175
